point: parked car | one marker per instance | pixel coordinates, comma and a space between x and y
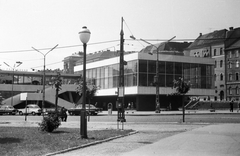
90, 109
7, 110
30, 109
49, 111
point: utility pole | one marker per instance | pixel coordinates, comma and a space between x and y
121, 111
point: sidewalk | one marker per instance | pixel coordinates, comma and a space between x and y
134, 112
213, 140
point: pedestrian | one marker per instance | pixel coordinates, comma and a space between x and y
63, 114
129, 105
231, 105
238, 105
158, 108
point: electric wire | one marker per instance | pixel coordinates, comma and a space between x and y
131, 32
104, 42
60, 47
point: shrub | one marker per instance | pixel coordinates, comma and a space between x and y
49, 123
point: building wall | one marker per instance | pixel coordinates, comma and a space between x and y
233, 74
219, 72
216, 52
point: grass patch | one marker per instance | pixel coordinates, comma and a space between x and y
29, 141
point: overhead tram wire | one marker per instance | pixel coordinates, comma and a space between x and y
47, 64
131, 32
72, 46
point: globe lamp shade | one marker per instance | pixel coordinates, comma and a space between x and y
84, 35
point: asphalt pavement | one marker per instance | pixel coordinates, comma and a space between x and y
212, 140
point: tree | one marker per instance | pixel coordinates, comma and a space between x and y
182, 88
91, 89
52, 122
57, 83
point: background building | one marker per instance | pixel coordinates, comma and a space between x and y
211, 45
232, 52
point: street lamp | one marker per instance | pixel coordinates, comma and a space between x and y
18, 63
156, 78
84, 36
44, 77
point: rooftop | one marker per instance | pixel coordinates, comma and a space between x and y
215, 37
175, 48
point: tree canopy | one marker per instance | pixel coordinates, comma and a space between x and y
91, 89
181, 86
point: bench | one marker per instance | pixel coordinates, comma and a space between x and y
212, 110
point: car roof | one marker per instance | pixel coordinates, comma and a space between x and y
6, 106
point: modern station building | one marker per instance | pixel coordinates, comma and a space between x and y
139, 73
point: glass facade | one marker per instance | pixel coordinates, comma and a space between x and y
143, 73
36, 79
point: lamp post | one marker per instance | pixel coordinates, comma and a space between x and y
18, 63
156, 78
84, 36
44, 72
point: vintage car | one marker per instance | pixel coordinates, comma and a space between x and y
90, 109
5, 109
30, 109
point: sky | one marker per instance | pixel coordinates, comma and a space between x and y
43, 24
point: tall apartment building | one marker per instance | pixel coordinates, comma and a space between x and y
232, 54
211, 45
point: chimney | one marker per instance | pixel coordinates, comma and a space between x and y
200, 34
230, 28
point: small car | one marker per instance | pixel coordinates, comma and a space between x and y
30, 109
90, 109
6, 109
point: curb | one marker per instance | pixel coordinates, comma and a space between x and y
90, 144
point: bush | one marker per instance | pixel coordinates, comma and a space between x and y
50, 123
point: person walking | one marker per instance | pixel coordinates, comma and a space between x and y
63, 114
231, 105
238, 105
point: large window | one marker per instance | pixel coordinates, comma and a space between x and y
236, 53
221, 51
237, 63
230, 76
230, 90
199, 75
221, 77
236, 76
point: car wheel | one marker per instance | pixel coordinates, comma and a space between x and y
33, 113
20, 113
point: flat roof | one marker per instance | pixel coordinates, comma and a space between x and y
145, 56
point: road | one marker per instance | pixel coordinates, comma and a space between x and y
147, 118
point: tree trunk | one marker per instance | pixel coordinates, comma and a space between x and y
183, 108
56, 102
